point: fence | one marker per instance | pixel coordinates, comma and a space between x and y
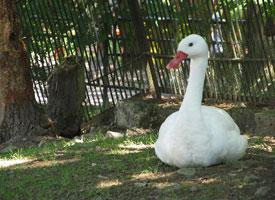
126, 44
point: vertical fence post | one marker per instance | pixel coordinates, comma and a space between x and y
136, 16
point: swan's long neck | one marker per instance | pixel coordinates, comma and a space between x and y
193, 95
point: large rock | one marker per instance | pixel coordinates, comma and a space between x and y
135, 113
244, 118
265, 122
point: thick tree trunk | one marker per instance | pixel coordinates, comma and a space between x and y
66, 94
19, 115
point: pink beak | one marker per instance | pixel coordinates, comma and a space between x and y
175, 62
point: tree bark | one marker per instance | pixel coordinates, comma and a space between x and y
66, 94
19, 114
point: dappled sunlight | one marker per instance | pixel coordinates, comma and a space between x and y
151, 176
108, 183
136, 146
163, 185
48, 163
209, 180
266, 143
270, 140
12, 162
131, 148
123, 152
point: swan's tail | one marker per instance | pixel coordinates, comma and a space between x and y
237, 148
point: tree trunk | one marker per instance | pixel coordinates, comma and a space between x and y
143, 46
19, 114
66, 94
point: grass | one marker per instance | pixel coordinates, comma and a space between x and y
127, 168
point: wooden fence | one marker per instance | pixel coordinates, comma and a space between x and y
127, 43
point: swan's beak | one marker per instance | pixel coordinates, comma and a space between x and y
175, 62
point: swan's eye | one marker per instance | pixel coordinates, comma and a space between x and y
190, 44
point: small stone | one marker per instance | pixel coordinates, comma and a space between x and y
93, 164
113, 134
188, 172
262, 191
78, 139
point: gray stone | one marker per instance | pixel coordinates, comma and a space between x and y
78, 139
131, 113
113, 134
265, 122
244, 118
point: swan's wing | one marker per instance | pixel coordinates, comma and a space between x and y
225, 132
218, 118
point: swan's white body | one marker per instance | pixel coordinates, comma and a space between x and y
196, 134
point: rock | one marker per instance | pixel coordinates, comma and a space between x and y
78, 139
132, 113
93, 164
262, 191
265, 122
244, 118
186, 171
113, 134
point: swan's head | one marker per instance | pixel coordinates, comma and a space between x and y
193, 46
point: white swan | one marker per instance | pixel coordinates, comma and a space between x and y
196, 134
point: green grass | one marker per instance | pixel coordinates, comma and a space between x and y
127, 168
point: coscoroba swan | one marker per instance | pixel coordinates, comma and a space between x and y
196, 134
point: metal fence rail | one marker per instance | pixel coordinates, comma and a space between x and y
240, 34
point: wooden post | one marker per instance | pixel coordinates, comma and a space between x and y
144, 47
66, 94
